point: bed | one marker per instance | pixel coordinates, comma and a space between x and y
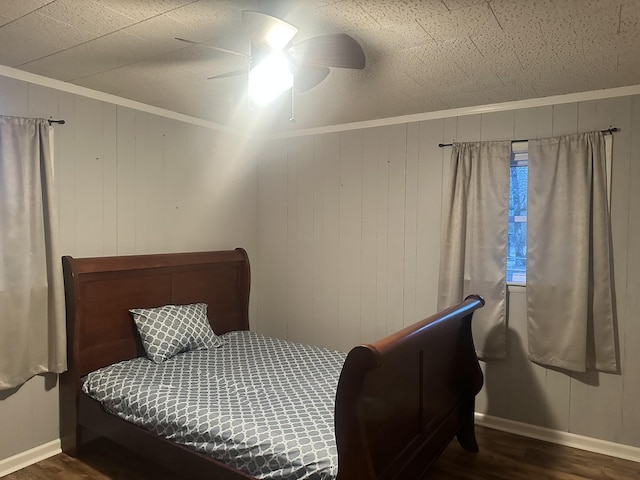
398, 402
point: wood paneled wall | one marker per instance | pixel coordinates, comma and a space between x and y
127, 182
343, 230
348, 251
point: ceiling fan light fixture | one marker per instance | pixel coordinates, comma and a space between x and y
267, 31
278, 36
269, 78
275, 65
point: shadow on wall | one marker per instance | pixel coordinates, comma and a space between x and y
515, 387
50, 381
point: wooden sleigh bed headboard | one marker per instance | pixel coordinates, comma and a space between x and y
399, 401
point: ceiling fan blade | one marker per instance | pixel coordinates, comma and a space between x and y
308, 76
267, 31
220, 49
332, 50
228, 74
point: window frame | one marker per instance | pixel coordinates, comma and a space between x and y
519, 159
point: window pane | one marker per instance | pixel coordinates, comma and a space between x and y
517, 232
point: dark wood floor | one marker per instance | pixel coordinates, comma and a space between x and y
502, 457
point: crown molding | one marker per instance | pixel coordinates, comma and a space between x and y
418, 117
110, 98
463, 111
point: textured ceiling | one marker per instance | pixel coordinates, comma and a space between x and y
422, 55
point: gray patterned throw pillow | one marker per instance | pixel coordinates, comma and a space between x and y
172, 329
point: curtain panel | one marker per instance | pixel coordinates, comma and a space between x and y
570, 316
32, 321
473, 252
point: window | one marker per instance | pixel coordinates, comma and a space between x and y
517, 229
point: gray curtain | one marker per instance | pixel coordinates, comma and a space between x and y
569, 278
32, 322
473, 251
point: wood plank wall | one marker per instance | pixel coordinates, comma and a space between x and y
348, 251
127, 182
342, 228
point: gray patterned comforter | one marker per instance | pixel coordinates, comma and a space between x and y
262, 405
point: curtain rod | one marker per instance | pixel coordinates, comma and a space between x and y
607, 131
59, 122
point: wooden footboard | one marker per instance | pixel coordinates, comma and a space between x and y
401, 400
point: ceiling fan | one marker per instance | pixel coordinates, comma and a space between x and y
275, 60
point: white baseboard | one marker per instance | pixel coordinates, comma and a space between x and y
590, 444
24, 459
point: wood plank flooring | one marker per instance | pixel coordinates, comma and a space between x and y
502, 457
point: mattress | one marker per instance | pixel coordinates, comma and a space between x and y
261, 405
